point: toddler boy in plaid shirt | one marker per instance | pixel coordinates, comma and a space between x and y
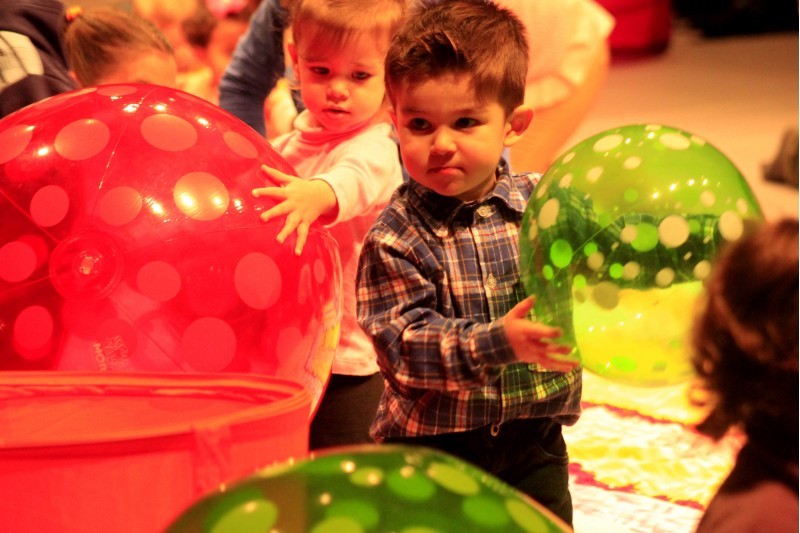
438, 289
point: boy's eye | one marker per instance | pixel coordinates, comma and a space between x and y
465, 122
361, 76
418, 124
319, 71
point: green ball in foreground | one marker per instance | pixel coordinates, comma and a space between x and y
617, 240
369, 488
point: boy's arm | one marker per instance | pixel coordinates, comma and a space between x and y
255, 67
418, 347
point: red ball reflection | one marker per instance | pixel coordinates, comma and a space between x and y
129, 240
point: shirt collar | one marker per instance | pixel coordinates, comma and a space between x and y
439, 211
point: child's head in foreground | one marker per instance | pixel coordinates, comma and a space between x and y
337, 49
455, 75
107, 45
746, 338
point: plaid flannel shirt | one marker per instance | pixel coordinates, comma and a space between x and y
436, 276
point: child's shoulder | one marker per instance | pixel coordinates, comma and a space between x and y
525, 183
398, 216
528, 180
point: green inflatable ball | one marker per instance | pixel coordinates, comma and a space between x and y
369, 488
617, 240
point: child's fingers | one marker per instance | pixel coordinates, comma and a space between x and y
550, 355
275, 211
551, 349
522, 308
558, 363
558, 366
270, 192
290, 225
537, 331
302, 235
276, 175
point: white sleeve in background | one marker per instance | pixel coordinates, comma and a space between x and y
365, 174
563, 36
363, 170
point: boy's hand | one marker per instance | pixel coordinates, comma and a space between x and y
529, 340
302, 201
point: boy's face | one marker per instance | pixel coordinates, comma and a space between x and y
450, 141
342, 87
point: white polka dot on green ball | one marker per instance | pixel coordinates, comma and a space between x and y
618, 238
369, 488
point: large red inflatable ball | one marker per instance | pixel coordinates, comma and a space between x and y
130, 241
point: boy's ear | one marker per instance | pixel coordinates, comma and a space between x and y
518, 123
392, 115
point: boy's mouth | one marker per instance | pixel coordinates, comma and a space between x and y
445, 171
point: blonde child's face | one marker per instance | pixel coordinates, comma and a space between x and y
152, 66
449, 140
341, 87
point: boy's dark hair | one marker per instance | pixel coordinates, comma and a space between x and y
473, 37
746, 338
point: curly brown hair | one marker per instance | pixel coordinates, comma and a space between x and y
745, 339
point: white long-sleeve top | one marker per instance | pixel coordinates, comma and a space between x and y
563, 36
363, 169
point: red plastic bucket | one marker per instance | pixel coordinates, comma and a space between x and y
127, 452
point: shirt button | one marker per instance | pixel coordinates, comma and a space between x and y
491, 282
484, 211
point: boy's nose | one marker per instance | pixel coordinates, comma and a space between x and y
442, 142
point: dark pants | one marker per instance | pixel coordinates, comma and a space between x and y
530, 455
345, 411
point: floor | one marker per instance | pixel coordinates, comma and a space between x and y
739, 93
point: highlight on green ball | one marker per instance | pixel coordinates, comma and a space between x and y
618, 238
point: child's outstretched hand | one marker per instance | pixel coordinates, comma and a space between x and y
529, 340
302, 201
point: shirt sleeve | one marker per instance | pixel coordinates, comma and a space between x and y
420, 348
563, 37
28, 91
365, 173
29, 74
255, 67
